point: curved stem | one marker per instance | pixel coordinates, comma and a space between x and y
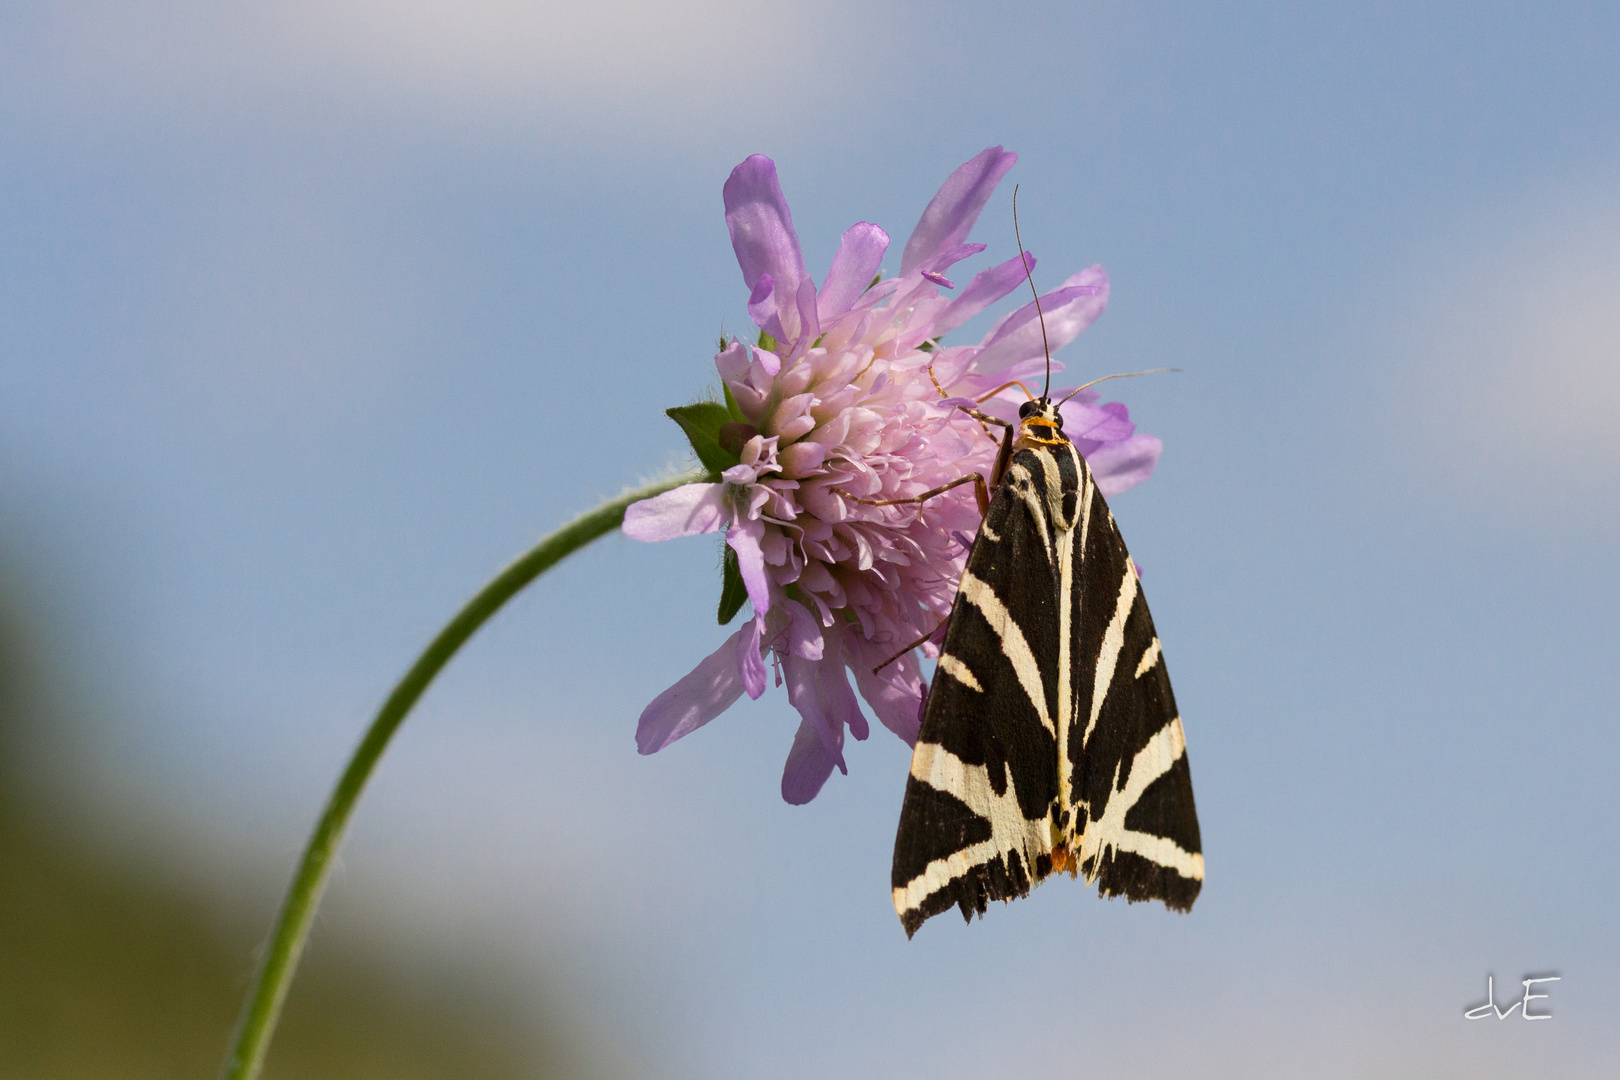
287, 936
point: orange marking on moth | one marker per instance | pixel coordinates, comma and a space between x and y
1041, 431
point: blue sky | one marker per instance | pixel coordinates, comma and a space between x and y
314, 316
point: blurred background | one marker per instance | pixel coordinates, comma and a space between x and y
313, 315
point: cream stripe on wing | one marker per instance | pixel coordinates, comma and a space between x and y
1165, 852
1149, 658
942, 770
1013, 645
957, 670
1023, 483
1108, 830
941, 872
1113, 641
1010, 831
1068, 697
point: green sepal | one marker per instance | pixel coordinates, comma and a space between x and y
732, 590
767, 342
731, 404
701, 422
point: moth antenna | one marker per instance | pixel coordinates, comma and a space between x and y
1121, 375
1030, 277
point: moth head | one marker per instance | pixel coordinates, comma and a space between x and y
1040, 408
1039, 421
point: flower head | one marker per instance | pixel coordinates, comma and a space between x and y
849, 399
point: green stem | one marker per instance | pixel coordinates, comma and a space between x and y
269, 990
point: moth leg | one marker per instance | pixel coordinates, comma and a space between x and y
1015, 382
980, 491
913, 645
984, 419
1003, 459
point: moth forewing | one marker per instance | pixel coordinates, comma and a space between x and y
1136, 830
1050, 739
981, 819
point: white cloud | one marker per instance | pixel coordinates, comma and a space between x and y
548, 52
687, 61
1517, 352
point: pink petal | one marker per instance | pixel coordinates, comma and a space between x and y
895, 693
803, 458
986, 288
809, 321
750, 664
804, 637
743, 538
808, 766
859, 258
762, 305
732, 361
1068, 310
804, 694
949, 217
1097, 423
761, 227
742, 473
703, 694
759, 451
946, 259
838, 699
684, 511
1005, 403
1121, 465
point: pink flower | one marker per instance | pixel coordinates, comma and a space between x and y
851, 395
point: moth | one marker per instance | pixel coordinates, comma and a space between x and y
1050, 738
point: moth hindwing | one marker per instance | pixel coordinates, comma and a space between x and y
1050, 738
